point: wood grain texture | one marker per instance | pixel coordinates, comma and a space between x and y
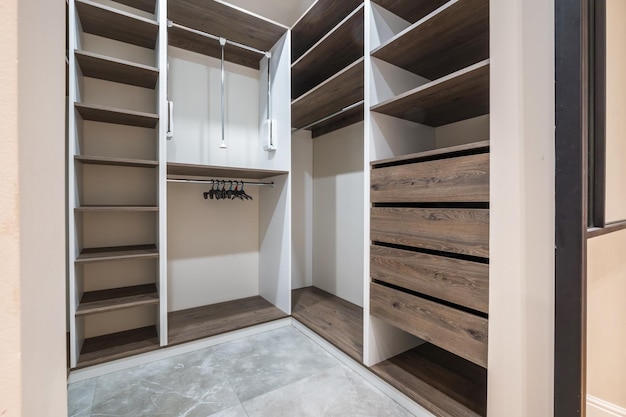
340, 91
193, 170
444, 42
457, 281
198, 323
117, 253
441, 382
95, 209
122, 162
225, 21
115, 24
317, 22
340, 121
462, 231
336, 320
452, 151
339, 49
411, 11
145, 5
456, 331
116, 70
193, 42
461, 179
117, 299
101, 349
459, 96
106, 114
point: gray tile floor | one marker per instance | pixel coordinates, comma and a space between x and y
276, 373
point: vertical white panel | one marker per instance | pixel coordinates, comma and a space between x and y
302, 209
275, 243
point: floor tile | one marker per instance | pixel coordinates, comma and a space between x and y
80, 398
337, 392
190, 385
270, 360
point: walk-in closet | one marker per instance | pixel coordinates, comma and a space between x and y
226, 171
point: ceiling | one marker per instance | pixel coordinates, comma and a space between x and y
286, 12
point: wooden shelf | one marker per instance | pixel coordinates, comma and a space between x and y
113, 209
339, 91
115, 24
118, 253
101, 349
339, 121
145, 5
121, 162
193, 170
226, 21
319, 20
198, 323
117, 299
452, 151
116, 70
338, 49
458, 96
190, 41
441, 382
106, 114
454, 37
411, 11
335, 319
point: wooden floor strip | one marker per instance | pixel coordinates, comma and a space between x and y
336, 320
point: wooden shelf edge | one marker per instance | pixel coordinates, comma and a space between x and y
324, 83
119, 12
84, 209
345, 119
117, 299
126, 162
178, 169
116, 70
360, 8
117, 253
105, 114
451, 150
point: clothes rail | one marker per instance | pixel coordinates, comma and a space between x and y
259, 184
345, 109
218, 38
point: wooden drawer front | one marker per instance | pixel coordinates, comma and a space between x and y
460, 179
456, 331
464, 231
457, 281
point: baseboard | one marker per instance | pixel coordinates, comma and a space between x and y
597, 407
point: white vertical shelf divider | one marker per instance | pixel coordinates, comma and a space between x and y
161, 95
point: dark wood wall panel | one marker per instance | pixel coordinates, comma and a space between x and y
462, 179
462, 231
461, 333
145, 5
411, 11
457, 281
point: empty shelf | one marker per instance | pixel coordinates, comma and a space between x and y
87, 209
336, 320
122, 162
347, 118
458, 96
115, 24
198, 323
319, 20
117, 253
194, 170
117, 299
116, 70
453, 37
339, 91
411, 11
452, 151
105, 114
441, 382
338, 49
113, 346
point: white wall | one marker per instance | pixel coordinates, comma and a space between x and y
302, 209
32, 236
338, 202
521, 273
606, 318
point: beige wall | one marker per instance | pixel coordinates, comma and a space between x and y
616, 109
521, 303
606, 318
32, 227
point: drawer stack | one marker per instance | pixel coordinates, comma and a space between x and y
430, 247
